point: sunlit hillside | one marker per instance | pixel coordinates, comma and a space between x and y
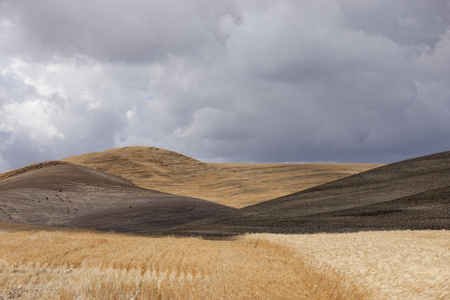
236, 185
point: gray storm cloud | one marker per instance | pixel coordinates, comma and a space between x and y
262, 81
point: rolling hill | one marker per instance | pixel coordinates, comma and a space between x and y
412, 194
61, 194
236, 185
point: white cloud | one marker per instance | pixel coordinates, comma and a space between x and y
32, 118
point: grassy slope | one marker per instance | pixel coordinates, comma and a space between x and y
236, 185
294, 177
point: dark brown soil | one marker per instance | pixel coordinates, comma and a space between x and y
413, 194
66, 195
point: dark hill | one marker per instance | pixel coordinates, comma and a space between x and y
67, 195
412, 194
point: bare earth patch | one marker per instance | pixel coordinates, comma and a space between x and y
67, 195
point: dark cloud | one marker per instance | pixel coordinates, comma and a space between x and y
263, 81
408, 22
134, 31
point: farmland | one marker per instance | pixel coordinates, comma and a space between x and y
104, 226
39, 262
67, 264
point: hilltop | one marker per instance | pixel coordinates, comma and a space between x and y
235, 185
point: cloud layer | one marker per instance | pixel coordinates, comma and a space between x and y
262, 81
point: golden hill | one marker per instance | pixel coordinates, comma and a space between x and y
236, 185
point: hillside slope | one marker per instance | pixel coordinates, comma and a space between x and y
66, 195
412, 194
236, 185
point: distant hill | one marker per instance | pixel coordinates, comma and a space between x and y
236, 185
412, 194
67, 195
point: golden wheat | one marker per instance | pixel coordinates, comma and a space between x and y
236, 185
391, 264
67, 264
38, 262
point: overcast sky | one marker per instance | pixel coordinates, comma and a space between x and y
230, 81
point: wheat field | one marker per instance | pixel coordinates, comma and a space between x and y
389, 264
42, 263
54, 263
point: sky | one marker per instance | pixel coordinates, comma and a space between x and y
225, 81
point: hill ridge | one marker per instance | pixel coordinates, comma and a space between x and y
236, 185
31, 167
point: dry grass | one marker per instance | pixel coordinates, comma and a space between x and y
391, 264
51, 263
236, 185
294, 177
70, 264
